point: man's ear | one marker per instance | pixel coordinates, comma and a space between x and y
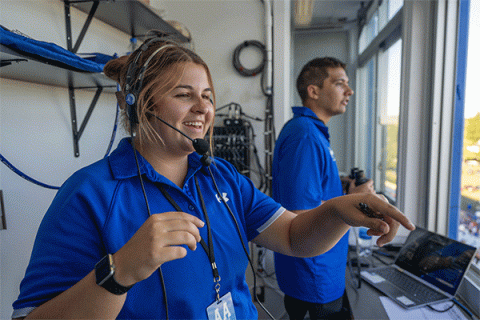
121, 99
313, 91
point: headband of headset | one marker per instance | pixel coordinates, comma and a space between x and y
133, 82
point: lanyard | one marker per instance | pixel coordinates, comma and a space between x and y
208, 249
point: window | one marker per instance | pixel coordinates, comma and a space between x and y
369, 32
469, 217
380, 18
388, 115
378, 98
387, 11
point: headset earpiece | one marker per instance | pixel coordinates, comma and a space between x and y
134, 82
131, 93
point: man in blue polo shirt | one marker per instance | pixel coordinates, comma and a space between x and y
305, 174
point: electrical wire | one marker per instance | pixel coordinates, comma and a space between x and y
440, 311
114, 131
463, 308
243, 245
24, 176
261, 171
162, 281
44, 185
236, 58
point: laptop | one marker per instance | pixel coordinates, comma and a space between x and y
428, 269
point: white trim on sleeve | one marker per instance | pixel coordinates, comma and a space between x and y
272, 219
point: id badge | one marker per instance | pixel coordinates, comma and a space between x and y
222, 309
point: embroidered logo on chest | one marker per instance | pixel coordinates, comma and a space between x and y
224, 196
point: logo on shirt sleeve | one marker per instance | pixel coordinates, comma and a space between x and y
332, 154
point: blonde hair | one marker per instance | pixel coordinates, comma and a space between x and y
165, 63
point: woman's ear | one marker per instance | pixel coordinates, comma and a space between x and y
121, 99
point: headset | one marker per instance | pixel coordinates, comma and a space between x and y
133, 86
133, 83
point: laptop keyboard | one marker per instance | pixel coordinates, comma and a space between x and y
421, 292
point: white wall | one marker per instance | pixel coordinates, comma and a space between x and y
35, 133
217, 28
35, 129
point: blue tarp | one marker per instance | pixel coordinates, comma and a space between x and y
50, 53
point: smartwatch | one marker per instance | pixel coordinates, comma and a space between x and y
104, 272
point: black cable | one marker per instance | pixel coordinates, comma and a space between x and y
257, 159
162, 281
236, 58
243, 245
251, 144
437, 310
115, 124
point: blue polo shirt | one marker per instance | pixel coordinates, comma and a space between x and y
100, 207
304, 174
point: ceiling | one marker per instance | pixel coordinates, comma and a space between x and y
332, 14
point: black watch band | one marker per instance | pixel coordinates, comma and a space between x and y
104, 274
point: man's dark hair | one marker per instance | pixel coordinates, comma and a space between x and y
315, 72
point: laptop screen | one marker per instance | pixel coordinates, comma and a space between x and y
436, 259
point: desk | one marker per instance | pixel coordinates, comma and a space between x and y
365, 301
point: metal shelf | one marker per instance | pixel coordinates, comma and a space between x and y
130, 16
17, 66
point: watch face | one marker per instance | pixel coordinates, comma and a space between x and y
104, 269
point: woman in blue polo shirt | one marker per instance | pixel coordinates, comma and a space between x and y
155, 230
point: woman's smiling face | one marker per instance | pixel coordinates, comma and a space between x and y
188, 107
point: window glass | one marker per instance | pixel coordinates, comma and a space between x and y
365, 115
382, 16
388, 113
369, 31
387, 11
393, 7
469, 224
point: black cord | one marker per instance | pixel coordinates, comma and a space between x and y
261, 171
437, 310
162, 281
114, 131
236, 58
243, 245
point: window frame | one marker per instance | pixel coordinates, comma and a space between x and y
459, 117
367, 115
430, 73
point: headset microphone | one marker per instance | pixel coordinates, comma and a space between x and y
201, 146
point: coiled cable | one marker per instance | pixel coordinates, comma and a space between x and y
236, 58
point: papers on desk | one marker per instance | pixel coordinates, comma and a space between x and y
396, 312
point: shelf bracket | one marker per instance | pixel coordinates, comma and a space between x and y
77, 133
7, 62
68, 24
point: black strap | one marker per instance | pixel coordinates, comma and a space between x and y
208, 249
